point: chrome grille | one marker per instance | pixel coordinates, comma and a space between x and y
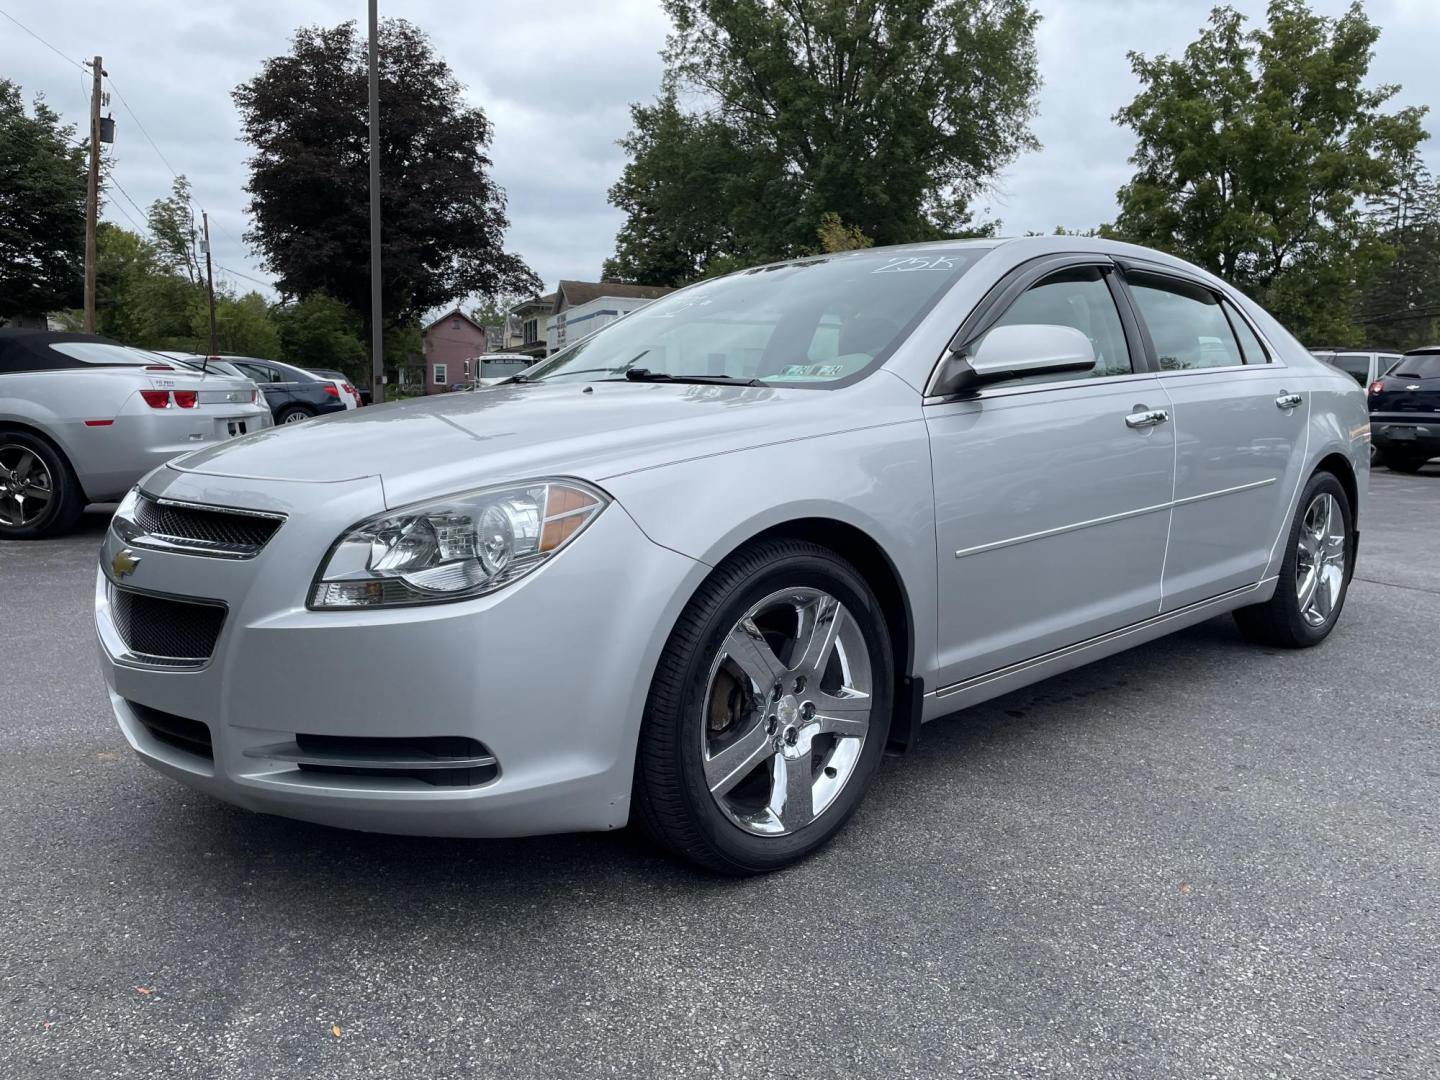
164, 632
203, 530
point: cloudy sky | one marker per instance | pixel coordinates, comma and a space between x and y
556, 80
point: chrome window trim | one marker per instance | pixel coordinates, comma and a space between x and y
1002, 391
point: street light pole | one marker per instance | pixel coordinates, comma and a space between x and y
377, 325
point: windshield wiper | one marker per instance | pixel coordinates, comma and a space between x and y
646, 375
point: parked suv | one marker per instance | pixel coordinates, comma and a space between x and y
1362, 365
1405, 411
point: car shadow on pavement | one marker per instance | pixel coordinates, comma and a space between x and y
372, 879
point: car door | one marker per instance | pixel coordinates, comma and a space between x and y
1239, 418
1052, 493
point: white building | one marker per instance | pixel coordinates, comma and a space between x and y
582, 307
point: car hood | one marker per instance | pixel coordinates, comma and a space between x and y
448, 442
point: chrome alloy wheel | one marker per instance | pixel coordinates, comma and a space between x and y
296, 417
787, 710
1320, 559
26, 487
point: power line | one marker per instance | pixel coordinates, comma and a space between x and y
42, 41
116, 184
247, 277
141, 126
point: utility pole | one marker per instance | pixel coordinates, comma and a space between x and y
210, 285
92, 196
377, 324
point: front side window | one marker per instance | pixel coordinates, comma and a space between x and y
1078, 298
809, 322
1250, 346
1186, 323
439, 374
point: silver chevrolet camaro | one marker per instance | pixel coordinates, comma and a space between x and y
83, 417
703, 568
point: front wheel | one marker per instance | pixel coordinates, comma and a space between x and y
769, 710
1315, 574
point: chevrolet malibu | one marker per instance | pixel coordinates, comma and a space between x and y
705, 567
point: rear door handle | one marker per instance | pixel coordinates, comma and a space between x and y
1287, 401
1147, 418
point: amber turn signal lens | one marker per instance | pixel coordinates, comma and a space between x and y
564, 514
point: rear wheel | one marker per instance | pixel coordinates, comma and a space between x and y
295, 414
39, 495
769, 710
1315, 574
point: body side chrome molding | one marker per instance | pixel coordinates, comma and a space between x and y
1109, 518
1112, 636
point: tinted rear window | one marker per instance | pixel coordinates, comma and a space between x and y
98, 352
1418, 367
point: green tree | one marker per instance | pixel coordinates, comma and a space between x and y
242, 325
320, 331
1256, 152
172, 224
1401, 307
890, 114
835, 235
443, 217
42, 210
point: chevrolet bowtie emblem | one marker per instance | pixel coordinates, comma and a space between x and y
124, 563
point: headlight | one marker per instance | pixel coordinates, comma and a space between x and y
455, 548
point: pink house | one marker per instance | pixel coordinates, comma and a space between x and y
449, 342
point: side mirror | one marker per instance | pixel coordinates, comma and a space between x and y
1008, 352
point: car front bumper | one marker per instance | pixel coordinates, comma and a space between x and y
549, 674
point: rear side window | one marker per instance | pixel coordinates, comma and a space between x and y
1356, 365
1187, 325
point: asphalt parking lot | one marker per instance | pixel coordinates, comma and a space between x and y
1195, 859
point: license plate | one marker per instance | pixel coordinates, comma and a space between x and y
1401, 433
234, 427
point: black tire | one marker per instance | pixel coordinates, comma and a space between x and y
293, 414
1279, 621
672, 801
67, 501
1398, 463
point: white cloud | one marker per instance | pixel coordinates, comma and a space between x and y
556, 80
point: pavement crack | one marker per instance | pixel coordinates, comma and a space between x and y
1393, 585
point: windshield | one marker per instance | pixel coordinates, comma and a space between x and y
815, 321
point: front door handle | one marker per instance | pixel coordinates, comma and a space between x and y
1287, 401
1146, 418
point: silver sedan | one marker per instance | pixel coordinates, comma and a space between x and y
82, 418
703, 568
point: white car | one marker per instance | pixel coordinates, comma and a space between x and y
82, 418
